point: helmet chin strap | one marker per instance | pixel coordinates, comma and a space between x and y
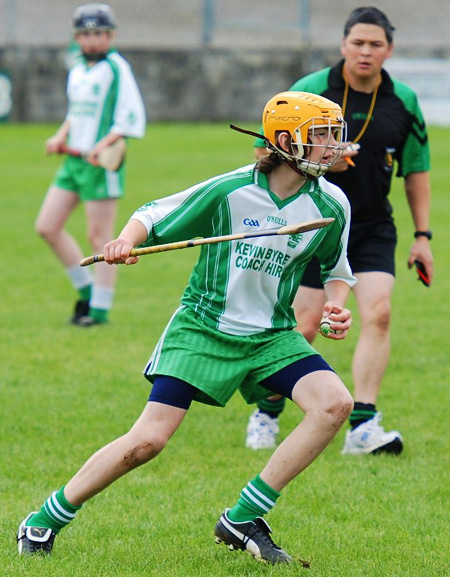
298, 170
291, 161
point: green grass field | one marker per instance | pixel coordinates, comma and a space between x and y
66, 392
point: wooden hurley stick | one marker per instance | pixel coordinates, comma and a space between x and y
110, 158
291, 229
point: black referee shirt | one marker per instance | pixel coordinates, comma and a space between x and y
395, 131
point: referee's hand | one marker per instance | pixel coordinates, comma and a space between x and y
346, 162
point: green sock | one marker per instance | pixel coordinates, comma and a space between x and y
256, 499
55, 513
272, 408
100, 315
85, 292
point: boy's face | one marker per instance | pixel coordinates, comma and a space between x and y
365, 49
94, 41
325, 148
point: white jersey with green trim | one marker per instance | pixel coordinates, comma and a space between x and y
103, 98
247, 286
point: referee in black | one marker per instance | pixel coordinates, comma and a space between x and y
385, 128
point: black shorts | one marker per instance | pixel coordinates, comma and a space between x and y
371, 248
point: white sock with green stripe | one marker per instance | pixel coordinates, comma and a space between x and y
79, 276
256, 499
55, 513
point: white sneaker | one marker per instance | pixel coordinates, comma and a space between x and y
262, 431
370, 437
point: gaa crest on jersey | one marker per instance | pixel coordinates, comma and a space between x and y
96, 89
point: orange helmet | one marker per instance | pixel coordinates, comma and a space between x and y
299, 114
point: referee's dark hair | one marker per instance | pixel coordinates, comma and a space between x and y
369, 15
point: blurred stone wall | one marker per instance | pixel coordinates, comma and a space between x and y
189, 85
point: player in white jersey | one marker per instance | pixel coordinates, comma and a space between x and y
234, 329
104, 105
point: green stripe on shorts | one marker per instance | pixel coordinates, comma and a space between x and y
218, 364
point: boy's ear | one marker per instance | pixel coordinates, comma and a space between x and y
284, 140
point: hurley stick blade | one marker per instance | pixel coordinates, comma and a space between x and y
305, 226
290, 229
112, 157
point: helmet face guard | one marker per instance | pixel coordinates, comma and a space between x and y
329, 135
312, 121
93, 17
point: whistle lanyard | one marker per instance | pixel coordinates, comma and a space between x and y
372, 106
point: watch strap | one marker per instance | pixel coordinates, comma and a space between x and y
426, 233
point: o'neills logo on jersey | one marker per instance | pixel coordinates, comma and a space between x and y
277, 220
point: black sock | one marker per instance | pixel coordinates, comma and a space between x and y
361, 413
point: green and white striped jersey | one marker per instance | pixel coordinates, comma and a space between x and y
103, 98
247, 286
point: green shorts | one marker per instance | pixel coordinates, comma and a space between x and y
218, 364
88, 181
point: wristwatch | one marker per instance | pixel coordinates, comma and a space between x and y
426, 233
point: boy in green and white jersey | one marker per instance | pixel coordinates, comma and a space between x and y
234, 329
218, 290
104, 106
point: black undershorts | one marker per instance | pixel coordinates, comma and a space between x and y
177, 393
371, 248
